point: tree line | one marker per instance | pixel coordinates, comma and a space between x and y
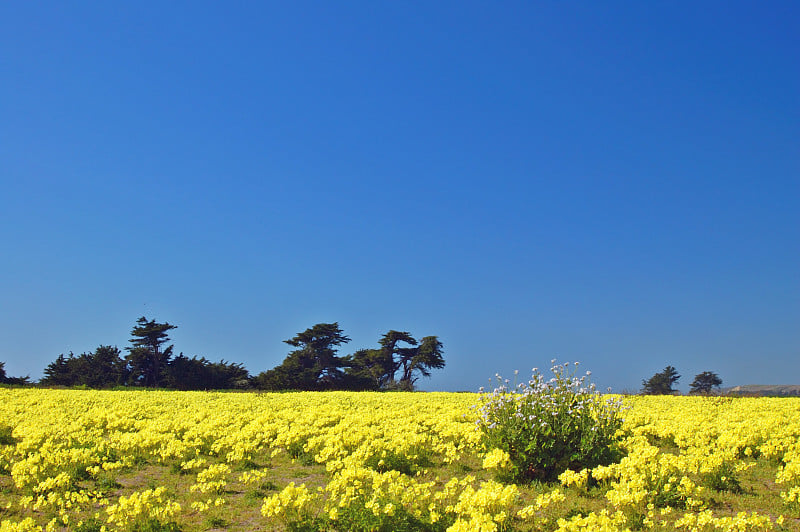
396, 364
661, 383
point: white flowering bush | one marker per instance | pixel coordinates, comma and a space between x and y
548, 426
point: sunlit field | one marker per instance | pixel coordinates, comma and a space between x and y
150, 460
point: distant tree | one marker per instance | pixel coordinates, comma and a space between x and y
313, 366
366, 369
418, 361
316, 366
147, 357
186, 373
104, 368
661, 383
392, 354
59, 372
19, 381
228, 375
704, 383
2, 372
379, 367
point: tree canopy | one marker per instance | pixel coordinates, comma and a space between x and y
705, 383
661, 383
316, 366
104, 368
147, 357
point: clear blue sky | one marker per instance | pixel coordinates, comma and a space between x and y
614, 183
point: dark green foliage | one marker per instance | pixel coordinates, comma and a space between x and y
216, 522
548, 426
154, 525
377, 369
308, 525
393, 461
106, 482
297, 452
368, 369
705, 383
661, 383
148, 358
314, 366
355, 518
420, 360
6, 437
194, 373
257, 495
90, 525
104, 368
60, 372
394, 355
722, 478
247, 465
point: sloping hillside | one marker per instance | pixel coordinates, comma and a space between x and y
771, 390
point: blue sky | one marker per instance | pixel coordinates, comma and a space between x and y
614, 183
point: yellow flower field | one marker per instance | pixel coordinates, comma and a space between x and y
150, 460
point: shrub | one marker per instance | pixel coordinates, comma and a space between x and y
722, 478
6, 435
547, 427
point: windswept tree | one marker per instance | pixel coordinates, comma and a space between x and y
661, 383
313, 366
705, 383
148, 357
418, 361
379, 368
316, 366
391, 353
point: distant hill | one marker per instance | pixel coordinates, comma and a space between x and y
770, 390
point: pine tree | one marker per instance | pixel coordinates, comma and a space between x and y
661, 383
147, 357
704, 383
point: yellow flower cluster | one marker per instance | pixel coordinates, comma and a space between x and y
579, 479
212, 479
705, 520
496, 459
647, 475
148, 504
292, 501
